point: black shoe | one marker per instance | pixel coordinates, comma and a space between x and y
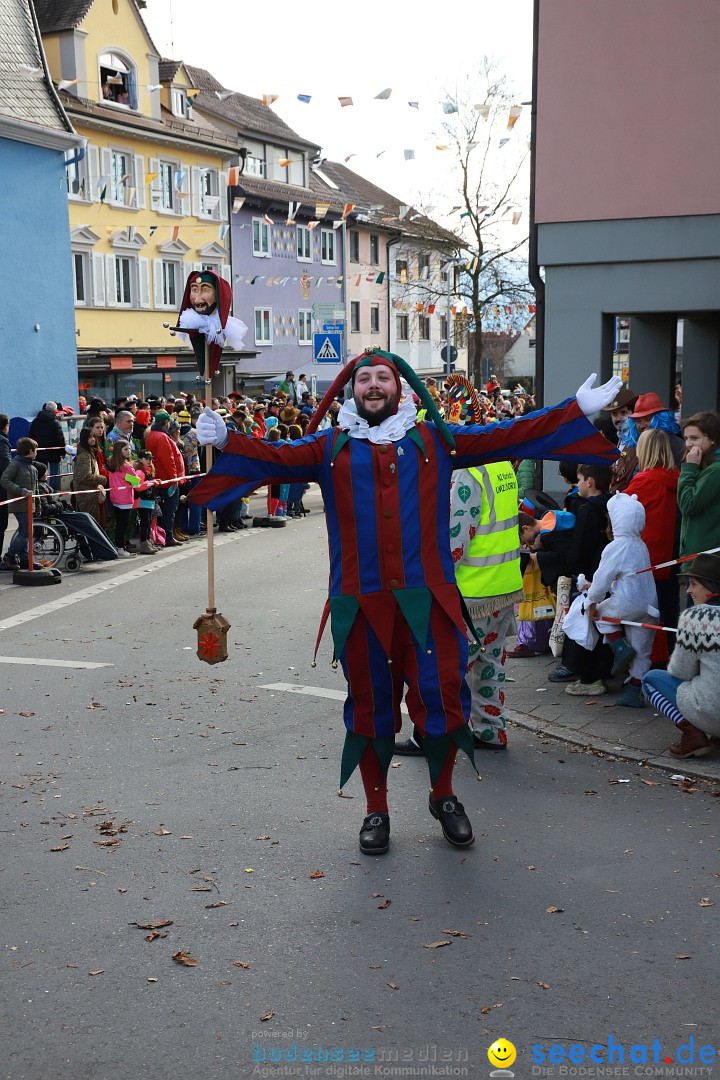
239, 525
375, 834
455, 823
225, 529
409, 748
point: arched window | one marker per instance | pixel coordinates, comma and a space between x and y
117, 79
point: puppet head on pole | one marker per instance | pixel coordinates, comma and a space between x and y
205, 309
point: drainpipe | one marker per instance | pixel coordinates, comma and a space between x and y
533, 266
82, 150
397, 240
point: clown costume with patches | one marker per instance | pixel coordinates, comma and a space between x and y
395, 610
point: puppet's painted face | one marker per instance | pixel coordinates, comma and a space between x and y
202, 297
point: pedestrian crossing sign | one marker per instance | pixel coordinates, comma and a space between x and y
327, 347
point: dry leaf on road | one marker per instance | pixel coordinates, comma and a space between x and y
393, 986
241, 964
385, 903
162, 831
153, 925
454, 933
554, 910
437, 944
268, 1015
706, 902
61, 847
316, 874
184, 958
545, 986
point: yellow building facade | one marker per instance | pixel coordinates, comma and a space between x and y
147, 203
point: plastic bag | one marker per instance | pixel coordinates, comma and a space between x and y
538, 601
578, 626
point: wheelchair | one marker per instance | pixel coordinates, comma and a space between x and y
54, 543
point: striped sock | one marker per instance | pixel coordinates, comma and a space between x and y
664, 706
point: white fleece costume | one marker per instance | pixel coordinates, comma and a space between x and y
632, 596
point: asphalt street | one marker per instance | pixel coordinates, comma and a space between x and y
157, 809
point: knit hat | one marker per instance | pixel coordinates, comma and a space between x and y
142, 416
400, 369
183, 416
161, 416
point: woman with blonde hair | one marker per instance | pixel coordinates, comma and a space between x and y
655, 484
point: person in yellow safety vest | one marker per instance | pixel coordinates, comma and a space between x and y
486, 549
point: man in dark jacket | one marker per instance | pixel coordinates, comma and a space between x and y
48, 434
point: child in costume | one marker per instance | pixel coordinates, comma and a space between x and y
618, 591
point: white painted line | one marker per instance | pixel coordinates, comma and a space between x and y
50, 663
315, 691
141, 566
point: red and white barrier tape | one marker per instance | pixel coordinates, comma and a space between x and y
93, 491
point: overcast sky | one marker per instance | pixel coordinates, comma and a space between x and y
329, 50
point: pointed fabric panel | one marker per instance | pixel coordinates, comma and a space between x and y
353, 750
343, 610
415, 605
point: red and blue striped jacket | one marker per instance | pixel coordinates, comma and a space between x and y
388, 506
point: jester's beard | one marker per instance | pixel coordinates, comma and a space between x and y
203, 298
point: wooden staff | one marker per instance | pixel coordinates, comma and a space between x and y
212, 627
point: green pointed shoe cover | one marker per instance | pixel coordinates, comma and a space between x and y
415, 605
436, 750
343, 610
353, 750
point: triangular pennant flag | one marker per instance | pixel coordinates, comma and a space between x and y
345, 101
484, 111
380, 278
349, 157
409, 155
234, 176
175, 233
268, 220
150, 176
321, 209
179, 176
313, 225
449, 106
65, 84
503, 141
445, 147
431, 309
30, 72
223, 95
402, 211
347, 209
337, 224
517, 214
513, 115
304, 98
358, 279
383, 95
153, 88
131, 233
237, 204
267, 99
414, 104
381, 153
223, 231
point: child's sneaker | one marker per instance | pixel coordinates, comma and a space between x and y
631, 697
623, 655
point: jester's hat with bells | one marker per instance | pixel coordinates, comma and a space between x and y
415, 607
223, 295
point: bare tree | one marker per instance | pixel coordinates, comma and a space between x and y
489, 165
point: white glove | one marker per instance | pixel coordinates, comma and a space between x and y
592, 400
211, 429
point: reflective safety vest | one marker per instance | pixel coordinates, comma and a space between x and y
491, 566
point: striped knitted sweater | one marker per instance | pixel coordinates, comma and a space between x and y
696, 660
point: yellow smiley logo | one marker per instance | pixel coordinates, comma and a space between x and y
502, 1054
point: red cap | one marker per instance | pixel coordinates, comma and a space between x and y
647, 405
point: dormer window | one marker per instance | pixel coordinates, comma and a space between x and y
117, 80
180, 104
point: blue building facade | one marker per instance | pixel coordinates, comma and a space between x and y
37, 334
288, 282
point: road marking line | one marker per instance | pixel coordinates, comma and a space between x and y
315, 691
51, 663
144, 567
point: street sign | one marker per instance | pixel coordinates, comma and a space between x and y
453, 354
332, 326
327, 347
325, 311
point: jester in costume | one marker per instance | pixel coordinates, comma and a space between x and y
395, 610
